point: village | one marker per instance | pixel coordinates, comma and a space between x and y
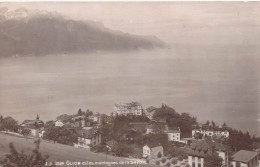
158, 136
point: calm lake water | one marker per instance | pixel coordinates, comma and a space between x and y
223, 86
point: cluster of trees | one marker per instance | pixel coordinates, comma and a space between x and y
17, 159
61, 135
174, 119
240, 141
213, 160
8, 123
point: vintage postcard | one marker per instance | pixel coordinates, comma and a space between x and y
172, 84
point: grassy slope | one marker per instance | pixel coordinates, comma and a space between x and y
57, 152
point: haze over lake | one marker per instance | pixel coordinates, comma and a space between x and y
210, 69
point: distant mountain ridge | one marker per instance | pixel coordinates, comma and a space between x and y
40, 33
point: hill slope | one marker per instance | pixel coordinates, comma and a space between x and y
40, 33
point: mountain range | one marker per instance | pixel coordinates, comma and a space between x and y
24, 32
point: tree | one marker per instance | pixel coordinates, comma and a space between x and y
25, 132
213, 124
207, 123
159, 155
198, 135
174, 161
16, 159
213, 160
163, 160
80, 112
1, 119
157, 162
9, 123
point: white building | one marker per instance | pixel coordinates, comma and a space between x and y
151, 151
211, 133
59, 123
244, 158
174, 135
133, 108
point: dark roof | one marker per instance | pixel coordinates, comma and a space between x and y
152, 145
244, 156
151, 108
198, 147
32, 124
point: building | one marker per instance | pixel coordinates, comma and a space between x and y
211, 132
133, 108
35, 126
88, 138
61, 122
244, 158
150, 112
151, 151
200, 149
174, 135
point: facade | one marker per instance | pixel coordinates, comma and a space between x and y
151, 151
133, 108
88, 138
244, 158
174, 135
211, 133
200, 149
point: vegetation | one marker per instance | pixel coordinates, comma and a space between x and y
239, 141
163, 160
61, 135
16, 159
213, 160
174, 119
159, 155
8, 123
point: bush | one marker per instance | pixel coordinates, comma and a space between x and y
100, 148
169, 156
174, 161
168, 164
163, 160
180, 158
159, 155
157, 162
15, 158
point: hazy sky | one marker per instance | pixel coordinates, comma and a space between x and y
210, 70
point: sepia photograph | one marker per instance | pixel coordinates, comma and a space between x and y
132, 84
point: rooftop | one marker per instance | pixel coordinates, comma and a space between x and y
153, 145
244, 156
131, 104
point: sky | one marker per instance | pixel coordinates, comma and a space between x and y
210, 68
